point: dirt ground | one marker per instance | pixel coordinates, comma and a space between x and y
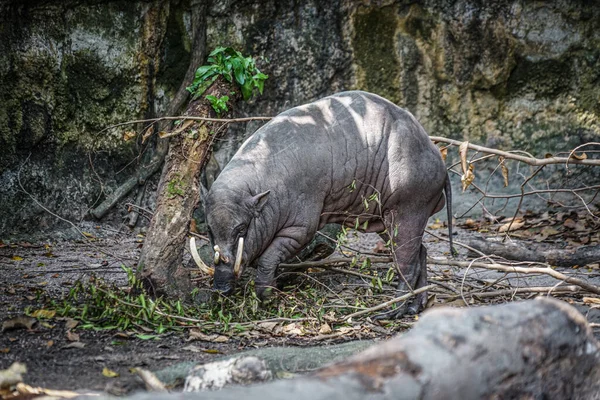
34, 273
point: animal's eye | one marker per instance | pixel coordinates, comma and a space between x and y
240, 230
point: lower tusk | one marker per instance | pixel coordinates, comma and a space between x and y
238, 257
203, 267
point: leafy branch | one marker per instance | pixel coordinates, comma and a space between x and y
232, 66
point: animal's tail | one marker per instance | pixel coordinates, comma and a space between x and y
448, 192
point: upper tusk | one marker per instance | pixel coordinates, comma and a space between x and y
203, 267
238, 257
217, 254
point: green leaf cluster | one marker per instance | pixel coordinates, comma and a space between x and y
233, 66
219, 104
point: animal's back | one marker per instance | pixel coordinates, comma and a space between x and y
341, 149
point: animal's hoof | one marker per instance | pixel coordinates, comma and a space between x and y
264, 292
395, 313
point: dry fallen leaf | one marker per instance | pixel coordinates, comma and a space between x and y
109, 373
511, 226
71, 323
197, 334
436, 225
569, 223
50, 343
293, 329
74, 345
72, 337
43, 313
469, 223
18, 323
325, 329
17, 258
267, 326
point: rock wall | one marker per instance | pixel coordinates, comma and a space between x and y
507, 74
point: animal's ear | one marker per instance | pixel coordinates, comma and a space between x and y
259, 201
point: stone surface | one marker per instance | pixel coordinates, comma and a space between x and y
506, 74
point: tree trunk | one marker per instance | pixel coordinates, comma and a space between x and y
178, 195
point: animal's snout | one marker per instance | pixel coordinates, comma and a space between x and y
224, 279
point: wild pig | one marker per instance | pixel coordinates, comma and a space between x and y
320, 163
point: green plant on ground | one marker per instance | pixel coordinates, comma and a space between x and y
234, 67
219, 104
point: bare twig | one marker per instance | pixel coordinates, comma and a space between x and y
329, 262
389, 303
153, 384
185, 117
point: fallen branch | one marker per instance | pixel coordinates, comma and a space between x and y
518, 270
512, 156
389, 302
557, 257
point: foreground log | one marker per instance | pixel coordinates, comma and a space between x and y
535, 349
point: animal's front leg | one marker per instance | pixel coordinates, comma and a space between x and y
283, 247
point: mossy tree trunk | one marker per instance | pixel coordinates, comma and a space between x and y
178, 195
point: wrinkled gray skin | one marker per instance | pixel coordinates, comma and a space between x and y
296, 173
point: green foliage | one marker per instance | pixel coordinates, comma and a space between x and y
175, 187
218, 104
103, 307
233, 66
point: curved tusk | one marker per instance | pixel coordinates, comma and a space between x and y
238, 257
203, 267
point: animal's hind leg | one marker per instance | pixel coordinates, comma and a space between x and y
406, 233
419, 302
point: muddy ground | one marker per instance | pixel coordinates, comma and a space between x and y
31, 274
